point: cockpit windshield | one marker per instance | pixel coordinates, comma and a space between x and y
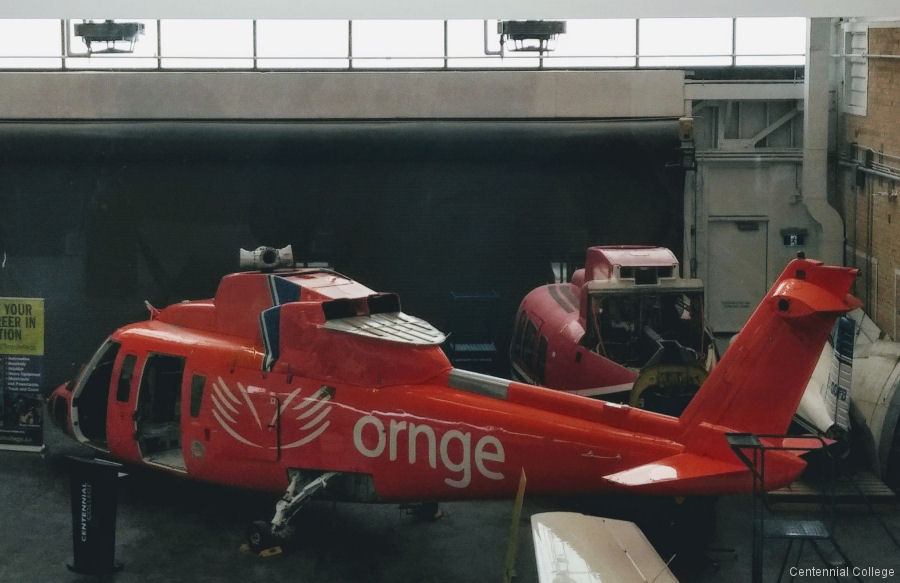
631, 328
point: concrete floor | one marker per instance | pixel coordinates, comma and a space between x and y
171, 530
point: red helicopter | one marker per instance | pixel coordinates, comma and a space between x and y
302, 380
626, 328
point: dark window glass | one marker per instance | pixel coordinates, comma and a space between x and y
541, 365
516, 351
528, 345
98, 379
123, 390
198, 383
646, 276
93, 398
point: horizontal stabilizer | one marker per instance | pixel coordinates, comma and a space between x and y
576, 548
680, 473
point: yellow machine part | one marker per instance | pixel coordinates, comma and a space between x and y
680, 378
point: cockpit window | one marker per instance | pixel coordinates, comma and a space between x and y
92, 392
528, 345
541, 364
517, 335
629, 328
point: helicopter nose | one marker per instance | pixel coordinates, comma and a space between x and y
58, 407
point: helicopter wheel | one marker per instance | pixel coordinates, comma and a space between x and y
425, 511
260, 537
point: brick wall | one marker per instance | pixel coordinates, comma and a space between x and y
872, 211
879, 128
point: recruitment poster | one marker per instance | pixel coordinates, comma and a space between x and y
21, 372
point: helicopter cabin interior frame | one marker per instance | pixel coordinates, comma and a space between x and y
157, 414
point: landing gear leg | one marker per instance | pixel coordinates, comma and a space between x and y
264, 535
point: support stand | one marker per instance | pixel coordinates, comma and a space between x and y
752, 449
94, 501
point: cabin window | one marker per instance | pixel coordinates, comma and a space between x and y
198, 383
516, 351
528, 345
126, 374
541, 365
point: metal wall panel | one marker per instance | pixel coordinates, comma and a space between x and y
356, 95
739, 280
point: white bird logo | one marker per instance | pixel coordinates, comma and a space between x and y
231, 407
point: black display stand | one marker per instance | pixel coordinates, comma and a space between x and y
94, 499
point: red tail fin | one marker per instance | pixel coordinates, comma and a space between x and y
758, 383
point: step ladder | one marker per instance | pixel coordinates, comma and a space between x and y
816, 532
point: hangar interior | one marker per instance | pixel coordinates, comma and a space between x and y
449, 173
142, 159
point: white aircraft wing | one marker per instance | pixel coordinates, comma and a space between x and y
575, 548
